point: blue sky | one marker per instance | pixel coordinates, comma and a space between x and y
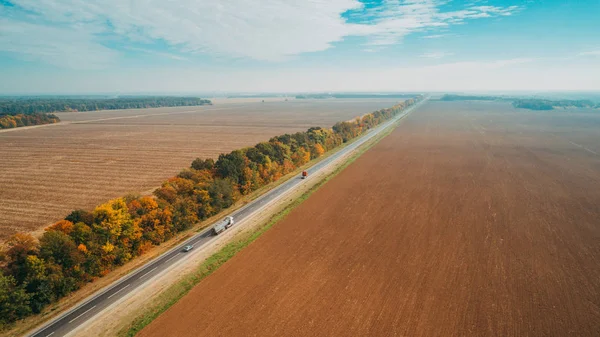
187, 46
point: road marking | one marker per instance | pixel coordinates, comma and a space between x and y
148, 272
118, 291
52, 333
85, 312
172, 257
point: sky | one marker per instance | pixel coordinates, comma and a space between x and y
192, 46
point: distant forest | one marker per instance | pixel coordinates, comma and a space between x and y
472, 98
545, 104
528, 103
26, 111
350, 95
29, 105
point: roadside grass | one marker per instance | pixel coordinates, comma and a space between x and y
175, 292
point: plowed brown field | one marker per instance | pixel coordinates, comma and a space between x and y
470, 219
45, 172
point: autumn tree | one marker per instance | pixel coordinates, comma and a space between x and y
184, 213
317, 151
64, 226
301, 157
282, 152
166, 192
20, 246
111, 219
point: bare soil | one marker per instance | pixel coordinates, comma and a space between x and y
470, 219
91, 157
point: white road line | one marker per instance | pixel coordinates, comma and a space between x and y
85, 312
118, 291
148, 272
172, 257
52, 333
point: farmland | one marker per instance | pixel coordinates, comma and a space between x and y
481, 219
90, 157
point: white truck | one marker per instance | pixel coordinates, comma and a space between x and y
222, 225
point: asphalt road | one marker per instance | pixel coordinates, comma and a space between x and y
88, 309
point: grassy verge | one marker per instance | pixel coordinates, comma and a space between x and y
174, 293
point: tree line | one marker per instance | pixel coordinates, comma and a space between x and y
527, 103
18, 120
33, 105
87, 245
546, 104
450, 97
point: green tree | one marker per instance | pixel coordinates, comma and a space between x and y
82, 233
59, 248
255, 155
37, 283
231, 166
221, 193
199, 164
14, 301
80, 215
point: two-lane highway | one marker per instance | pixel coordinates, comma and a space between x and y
128, 284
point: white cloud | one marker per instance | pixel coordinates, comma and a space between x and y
157, 53
266, 30
434, 36
61, 46
270, 30
436, 55
504, 11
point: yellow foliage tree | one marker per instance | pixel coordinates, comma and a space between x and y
108, 247
114, 218
317, 151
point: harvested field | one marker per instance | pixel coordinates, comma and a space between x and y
470, 219
90, 157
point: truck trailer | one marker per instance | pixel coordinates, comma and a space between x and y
222, 225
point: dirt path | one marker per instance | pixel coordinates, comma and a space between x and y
469, 219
